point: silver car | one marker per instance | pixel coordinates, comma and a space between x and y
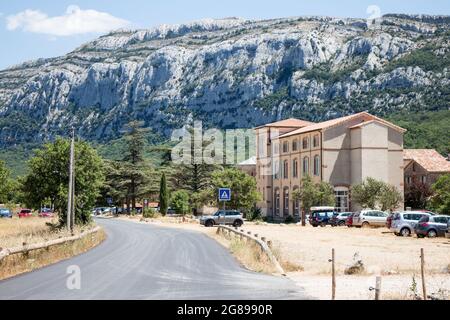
369, 218
227, 217
404, 222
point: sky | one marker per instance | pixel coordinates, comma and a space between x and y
31, 29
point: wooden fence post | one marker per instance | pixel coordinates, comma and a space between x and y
333, 275
378, 288
422, 270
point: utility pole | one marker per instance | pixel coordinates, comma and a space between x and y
70, 199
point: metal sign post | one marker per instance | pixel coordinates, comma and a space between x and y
224, 196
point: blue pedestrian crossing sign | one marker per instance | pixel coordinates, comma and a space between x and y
224, 194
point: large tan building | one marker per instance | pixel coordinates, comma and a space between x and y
341, 151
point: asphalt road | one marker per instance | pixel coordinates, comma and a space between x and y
140, 261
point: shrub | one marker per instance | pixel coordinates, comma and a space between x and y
149, 213
254, 214
289, 219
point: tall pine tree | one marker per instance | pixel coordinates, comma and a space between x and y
163, 195
133, 164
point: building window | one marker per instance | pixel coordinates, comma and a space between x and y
276, 170
305, 166
423, 179
408, 180
305, 143
341, 195
261, 145
316, 141
286, 201
296, 206
276, 148
316, 165
285, 147
294, 145
294, 168
277, 202
285, 169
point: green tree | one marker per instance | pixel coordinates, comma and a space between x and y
180, 202
325, 194
313, 194
163, 195
115, 186
48, 179
133, 168
6, 184
244, 194
389, 198
417, 195
441, 199
194, 175
366, 194
372, 193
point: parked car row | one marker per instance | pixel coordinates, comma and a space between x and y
26, 213
403, 223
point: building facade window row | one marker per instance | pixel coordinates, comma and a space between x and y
305, 144
293, 207
285, 169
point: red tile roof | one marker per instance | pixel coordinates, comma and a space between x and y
429, 159
288, 123
334, 122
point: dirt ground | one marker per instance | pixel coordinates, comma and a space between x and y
381, 252
393, 287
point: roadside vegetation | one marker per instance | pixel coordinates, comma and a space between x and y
17, 232
18, 263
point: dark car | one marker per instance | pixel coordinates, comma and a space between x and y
5, 213
432, 226
340, 219
321, 217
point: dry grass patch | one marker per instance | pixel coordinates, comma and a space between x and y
286, 264
24, 262
251, 256
15, 232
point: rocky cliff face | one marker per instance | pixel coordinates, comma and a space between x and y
230, 73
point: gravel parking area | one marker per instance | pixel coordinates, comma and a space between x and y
380, 251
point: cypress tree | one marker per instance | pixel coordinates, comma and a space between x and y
163, 195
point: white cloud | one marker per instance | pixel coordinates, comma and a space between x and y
74, 21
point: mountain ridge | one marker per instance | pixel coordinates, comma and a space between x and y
229, 73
